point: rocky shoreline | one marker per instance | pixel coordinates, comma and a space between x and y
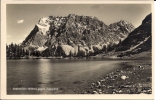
133, 78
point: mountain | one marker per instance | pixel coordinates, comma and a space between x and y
139, 40
75, 35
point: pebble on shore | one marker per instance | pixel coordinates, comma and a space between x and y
130, 80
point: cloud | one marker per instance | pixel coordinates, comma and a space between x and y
20, 21
98, 7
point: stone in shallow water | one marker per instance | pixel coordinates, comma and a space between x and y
114, 92
120, 91
123, 77
140, 66
100, 92
93, 84
98, 83
95, 92
115, 76
102, 80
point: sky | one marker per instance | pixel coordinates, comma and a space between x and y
21, 18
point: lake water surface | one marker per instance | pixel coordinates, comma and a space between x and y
55, 76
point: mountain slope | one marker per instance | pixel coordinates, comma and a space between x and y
139, 40
84, 34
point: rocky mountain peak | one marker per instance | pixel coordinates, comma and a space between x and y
74, 30
123, 25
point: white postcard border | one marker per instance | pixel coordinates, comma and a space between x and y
58, 96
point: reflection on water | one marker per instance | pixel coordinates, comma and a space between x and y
64, 75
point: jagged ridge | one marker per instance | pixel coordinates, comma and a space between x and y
86, 33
